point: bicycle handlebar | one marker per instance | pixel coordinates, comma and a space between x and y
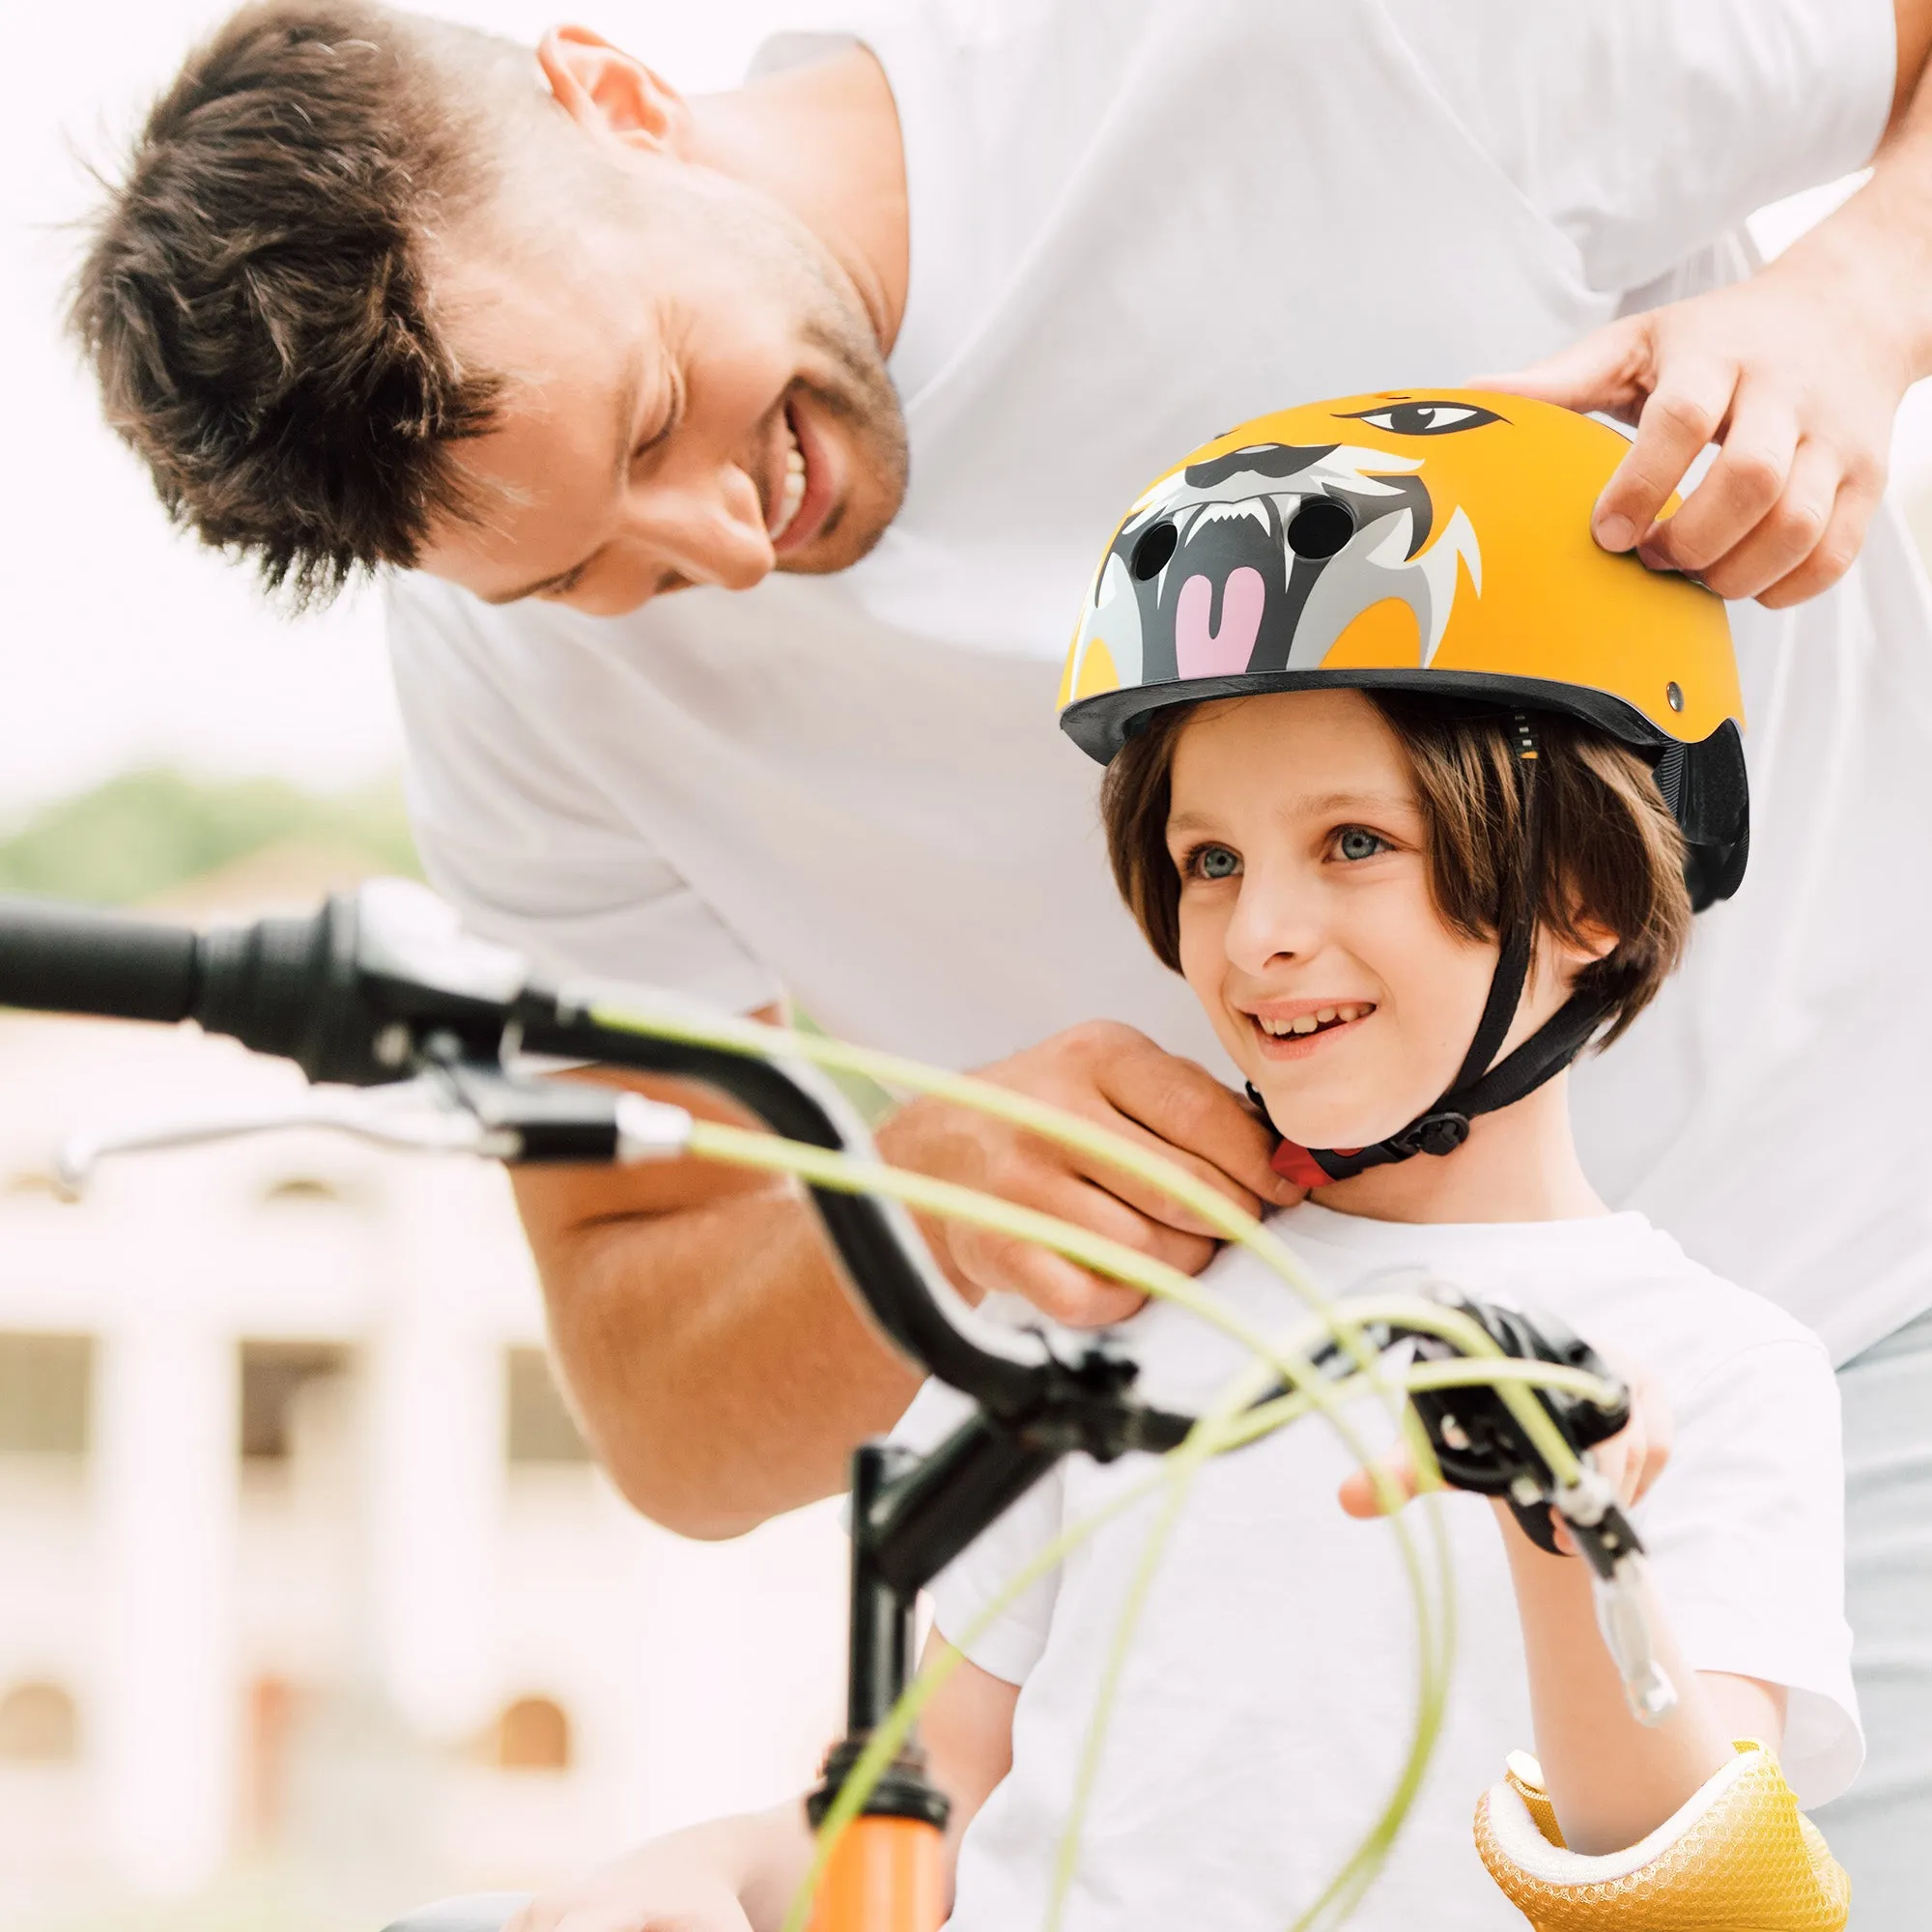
68, 959
376, 986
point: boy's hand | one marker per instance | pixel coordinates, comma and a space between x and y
1634, 1458
1119, 1079
1630, 1461
647, 1891
730, 1875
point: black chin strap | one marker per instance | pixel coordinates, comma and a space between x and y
1478, 1087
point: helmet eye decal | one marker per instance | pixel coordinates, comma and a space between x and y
1426, 418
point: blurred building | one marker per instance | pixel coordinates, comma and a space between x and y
304, 1569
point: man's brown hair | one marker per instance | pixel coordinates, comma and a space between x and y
1607, 852
254, 299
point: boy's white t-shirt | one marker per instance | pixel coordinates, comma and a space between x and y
1132, 225
1268, 1696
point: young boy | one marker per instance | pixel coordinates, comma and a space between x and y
1417, 789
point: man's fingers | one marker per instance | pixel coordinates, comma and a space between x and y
1364, 1497
1684, 413
1185, 1107
1744, 484
1606, 371
1837, 550
1098, 1210
1061, 1289
1787, 536
1144, 1196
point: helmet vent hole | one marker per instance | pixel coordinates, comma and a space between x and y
1319, 528
1154, 551
1673, 696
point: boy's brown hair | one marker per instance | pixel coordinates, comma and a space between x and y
1609, 851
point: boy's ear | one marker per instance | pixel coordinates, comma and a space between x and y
1592, 941
608, 92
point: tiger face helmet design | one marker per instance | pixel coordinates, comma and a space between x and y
1438, 541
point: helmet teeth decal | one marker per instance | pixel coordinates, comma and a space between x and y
1456, 545
1107, 651
1258, 560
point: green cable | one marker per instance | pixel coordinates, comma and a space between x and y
1183, 1465
826, 1168
890, 1738
755, 1039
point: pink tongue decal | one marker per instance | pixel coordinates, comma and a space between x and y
1200, 652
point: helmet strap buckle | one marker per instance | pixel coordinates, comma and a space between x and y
1439, 1132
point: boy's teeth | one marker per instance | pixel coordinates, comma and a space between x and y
1307, 1023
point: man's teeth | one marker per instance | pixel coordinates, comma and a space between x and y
1322, 1017
793, 493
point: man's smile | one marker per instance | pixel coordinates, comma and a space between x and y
806, 501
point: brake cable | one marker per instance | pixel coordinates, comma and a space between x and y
382, 990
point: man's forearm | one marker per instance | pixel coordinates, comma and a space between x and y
1876, 250
715, 1358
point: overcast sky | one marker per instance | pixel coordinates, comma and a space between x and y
121, 643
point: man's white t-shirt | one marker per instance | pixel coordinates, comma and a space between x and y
1267, 1697
1133, 225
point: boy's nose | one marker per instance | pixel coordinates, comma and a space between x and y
1271, 924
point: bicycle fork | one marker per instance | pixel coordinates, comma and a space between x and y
911, 1515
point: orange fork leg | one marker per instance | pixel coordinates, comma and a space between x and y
886, 1876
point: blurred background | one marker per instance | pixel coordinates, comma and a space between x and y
311, 1605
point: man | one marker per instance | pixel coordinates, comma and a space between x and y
860, 360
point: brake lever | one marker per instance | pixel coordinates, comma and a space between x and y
456, 1108
1482, 1447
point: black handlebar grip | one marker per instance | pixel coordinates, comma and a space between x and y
59, 958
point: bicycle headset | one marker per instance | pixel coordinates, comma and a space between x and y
1434, 542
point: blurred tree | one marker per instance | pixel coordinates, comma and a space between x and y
148, 831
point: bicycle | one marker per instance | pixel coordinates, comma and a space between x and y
381, 994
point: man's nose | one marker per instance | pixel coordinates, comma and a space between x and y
706, 529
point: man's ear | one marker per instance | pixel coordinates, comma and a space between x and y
609, 92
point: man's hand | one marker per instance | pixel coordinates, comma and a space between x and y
1120, 1079
1798, 382
1797, 373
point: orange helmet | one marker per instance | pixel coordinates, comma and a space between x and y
1433, 540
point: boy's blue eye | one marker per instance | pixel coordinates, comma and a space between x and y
1356, 841
1217, 862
